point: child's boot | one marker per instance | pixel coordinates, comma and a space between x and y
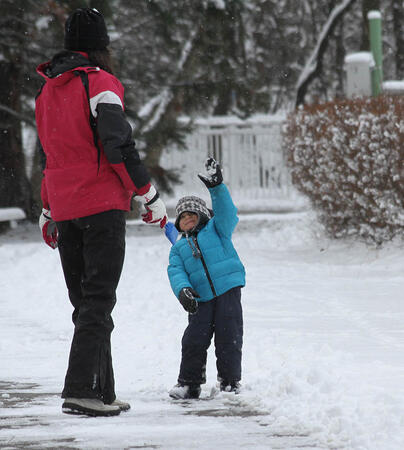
230, 386
184, 391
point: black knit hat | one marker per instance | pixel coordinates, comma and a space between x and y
192, 204
85, 29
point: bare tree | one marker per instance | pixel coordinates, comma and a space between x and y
313, 66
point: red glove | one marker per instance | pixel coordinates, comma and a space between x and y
48, 228
155, 209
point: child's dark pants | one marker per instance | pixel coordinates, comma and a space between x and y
92, 252
223, 317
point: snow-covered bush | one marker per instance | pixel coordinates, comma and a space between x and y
348, 158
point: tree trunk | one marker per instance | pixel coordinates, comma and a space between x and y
38, 165
339, 60
398, 24
15, 189
14, 185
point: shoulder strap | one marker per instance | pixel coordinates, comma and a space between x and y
93, 123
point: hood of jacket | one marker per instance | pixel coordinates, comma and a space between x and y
61, 68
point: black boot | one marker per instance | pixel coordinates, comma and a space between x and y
184, 391
230, 386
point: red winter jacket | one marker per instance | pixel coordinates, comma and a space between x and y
78, 181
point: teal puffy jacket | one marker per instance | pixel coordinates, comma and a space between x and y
218, 268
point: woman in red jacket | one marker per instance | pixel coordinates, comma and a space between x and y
92, 172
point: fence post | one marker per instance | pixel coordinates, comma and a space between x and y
375, 33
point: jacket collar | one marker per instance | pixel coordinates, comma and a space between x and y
64, 62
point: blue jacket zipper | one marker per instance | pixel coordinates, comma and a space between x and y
205, 266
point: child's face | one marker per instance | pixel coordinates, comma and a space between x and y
188, 220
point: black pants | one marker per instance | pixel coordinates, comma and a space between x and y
92, 252
223, 317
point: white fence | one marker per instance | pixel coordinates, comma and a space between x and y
250, 152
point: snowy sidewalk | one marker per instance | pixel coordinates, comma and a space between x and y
323, 361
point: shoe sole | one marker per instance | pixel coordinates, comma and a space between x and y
188, 397
176, 397
124, 408
72, 408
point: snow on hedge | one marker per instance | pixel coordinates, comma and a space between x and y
347, 157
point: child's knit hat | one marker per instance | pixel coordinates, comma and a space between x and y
192, 204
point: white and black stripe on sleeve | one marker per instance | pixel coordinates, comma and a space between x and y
115, 133
108, 97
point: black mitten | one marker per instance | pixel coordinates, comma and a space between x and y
187, 299
214, 173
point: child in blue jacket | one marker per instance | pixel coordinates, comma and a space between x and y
206, 275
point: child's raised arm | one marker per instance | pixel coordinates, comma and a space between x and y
225, 212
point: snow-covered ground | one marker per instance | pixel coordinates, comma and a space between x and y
323, 361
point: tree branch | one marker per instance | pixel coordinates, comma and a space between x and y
19, 116
157, 106
313, 65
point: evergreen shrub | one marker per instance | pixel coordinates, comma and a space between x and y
347, 156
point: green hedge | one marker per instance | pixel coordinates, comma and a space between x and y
348, 158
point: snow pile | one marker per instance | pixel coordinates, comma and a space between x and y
347, 158
7, 214
306, 391
393, 86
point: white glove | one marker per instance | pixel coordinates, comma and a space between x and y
148, 197
48, 228
155, 209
